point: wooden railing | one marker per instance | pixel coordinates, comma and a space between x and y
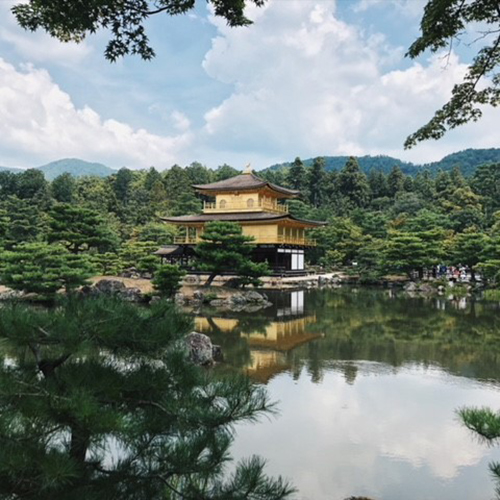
211, 207
186, 240
268, 240
287, 240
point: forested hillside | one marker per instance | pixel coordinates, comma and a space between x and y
467, 161
386, 223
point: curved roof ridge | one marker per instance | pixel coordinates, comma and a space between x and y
244, 182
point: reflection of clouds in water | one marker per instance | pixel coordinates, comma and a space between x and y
390, 429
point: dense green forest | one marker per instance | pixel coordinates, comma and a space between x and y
468, 160
385, 223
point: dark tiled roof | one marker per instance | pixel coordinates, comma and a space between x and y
238, 217
168, 250
244, 182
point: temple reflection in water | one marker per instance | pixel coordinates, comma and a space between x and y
270, 334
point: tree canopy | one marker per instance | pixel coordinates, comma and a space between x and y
99, 401
446, 21
224, 248
126, 20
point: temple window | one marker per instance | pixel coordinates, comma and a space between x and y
250, 203
222, 204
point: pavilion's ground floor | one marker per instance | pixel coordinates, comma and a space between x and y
281, 259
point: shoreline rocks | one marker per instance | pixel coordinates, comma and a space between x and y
115, 288
235, 301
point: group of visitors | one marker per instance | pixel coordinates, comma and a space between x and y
458, 273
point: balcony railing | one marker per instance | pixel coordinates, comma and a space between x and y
265, 240
211, 207
186, 240
287, 240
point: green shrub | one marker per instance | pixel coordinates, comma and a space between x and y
493, 294
167, 279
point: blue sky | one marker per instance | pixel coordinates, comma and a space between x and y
308, 78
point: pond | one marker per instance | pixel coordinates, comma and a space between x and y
368, 383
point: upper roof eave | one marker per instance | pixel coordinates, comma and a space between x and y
245, 182
239, 217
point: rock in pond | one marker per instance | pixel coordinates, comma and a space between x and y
201, 350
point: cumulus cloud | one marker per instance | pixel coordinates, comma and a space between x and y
305, 82
39, 118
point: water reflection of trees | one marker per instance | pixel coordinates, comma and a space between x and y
375, 325
369, 325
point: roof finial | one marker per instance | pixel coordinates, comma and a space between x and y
248, 169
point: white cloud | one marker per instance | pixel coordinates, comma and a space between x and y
410, 8
38, 46
306, 83
40, 119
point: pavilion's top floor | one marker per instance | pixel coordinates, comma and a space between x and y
245, 193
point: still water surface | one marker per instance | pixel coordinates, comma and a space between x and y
368, 383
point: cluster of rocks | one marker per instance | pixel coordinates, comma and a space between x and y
11, 295
114, 288
135, 274
238, 301
430, 288
316, 281
200, 349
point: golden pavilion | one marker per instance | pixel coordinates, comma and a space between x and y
257, 205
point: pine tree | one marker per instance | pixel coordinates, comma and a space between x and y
316, 182
132, 252
408, 252
63, 188
224, 248
467, 249
395, 181
167, 280
107, 406
80, 229
151, 178
378, 184
353, 184
296, 176
43, 269
23, 222
122, 185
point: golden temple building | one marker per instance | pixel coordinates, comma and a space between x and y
280, 239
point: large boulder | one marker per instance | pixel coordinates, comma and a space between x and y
253, 296
132, 295
411, 287
115, 288
200, 348
218, 303
238, 299
110, 286
180, 298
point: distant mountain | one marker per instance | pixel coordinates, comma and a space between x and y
11, 169
75, 167
467, 160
